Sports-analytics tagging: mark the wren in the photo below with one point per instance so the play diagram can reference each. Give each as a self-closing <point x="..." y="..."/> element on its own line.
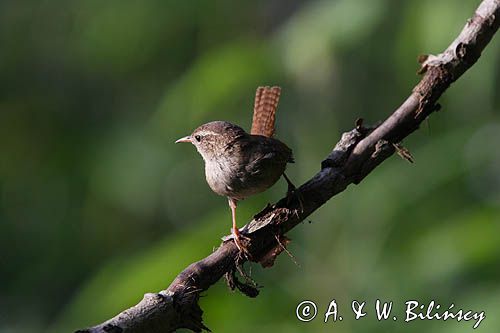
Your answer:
<point x="239" y="164"/>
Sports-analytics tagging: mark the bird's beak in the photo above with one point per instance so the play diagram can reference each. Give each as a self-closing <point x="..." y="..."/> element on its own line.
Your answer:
<point x="184" y="139"/>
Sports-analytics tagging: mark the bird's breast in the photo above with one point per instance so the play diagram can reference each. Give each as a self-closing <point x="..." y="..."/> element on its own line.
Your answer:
<point x="232" y="178"/>
<point x="220" y="177"/>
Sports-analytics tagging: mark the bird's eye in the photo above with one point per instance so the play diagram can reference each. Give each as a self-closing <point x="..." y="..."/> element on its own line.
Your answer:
<point x="198" y="138"/>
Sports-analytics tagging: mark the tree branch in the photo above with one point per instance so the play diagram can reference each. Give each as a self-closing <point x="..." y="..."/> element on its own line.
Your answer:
<point x="353" y="158"/>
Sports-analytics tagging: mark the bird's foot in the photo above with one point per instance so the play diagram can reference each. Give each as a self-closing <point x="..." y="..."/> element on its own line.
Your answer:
<point x="293" y="193"/>
<point x="241" y="242"/>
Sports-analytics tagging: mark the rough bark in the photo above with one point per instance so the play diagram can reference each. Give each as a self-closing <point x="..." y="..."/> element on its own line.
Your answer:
<point x="353" y="158"/>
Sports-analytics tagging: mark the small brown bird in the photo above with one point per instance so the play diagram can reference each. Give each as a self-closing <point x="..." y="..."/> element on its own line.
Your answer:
<point x="238" y="164"/>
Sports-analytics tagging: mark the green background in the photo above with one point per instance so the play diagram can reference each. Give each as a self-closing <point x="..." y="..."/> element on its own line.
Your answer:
<point x="98" y="206"/>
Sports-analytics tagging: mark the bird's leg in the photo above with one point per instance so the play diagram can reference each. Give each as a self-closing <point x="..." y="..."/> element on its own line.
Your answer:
<point x="238" y="237"/>
<point x="292" y="191"/>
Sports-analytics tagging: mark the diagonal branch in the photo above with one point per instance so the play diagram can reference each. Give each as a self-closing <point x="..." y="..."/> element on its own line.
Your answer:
<point x="353" y="158"/>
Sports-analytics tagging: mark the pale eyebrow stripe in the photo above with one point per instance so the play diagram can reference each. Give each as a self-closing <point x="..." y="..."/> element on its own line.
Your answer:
<point x="207" y="132"/>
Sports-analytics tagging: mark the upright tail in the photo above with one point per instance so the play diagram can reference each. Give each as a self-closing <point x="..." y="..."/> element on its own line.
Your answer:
<point x="264" y="110"/>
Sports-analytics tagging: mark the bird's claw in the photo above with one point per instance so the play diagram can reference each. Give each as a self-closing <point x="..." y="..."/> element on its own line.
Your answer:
<point x="241" y="241"/>
<point x="293" y="193"/>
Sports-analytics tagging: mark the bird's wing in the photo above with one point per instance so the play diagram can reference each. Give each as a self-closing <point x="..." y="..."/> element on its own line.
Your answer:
<point x="266" y="151"/>
<point x="264" y="110"/>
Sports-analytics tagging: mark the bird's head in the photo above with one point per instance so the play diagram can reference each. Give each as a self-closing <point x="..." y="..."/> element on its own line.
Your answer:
<point x="212" y="139"/>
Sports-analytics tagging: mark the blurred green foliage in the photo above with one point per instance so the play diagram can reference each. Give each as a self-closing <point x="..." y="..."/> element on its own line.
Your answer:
<point x="98" y="206"/>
